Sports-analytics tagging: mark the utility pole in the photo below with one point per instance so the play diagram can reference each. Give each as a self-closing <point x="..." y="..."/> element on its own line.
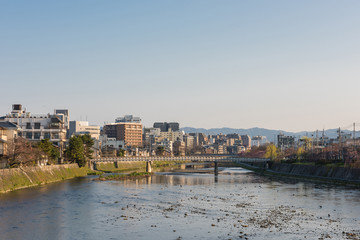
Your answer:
<point x="340" y="143"/>
<point x="354" y="136"/>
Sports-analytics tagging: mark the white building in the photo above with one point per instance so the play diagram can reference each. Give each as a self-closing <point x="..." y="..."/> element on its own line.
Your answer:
<point x="111" y="143"/>
<point x="38" y="127"/>
<point x="83" y="127"/>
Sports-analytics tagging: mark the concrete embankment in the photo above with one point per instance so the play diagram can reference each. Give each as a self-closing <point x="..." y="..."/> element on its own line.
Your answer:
<point x="17" y="178"/>
<point x="128" y="166"/>
<point x="326" y="173"/>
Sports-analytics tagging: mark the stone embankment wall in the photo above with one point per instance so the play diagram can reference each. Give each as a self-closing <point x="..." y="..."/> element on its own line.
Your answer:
<point x="322" y="172"/>
<point x="128" y="166"/>
<point x="17" y="178"/>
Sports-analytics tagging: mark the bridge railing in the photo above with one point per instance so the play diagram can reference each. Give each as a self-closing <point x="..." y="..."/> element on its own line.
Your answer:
<point x="188" y="158"/>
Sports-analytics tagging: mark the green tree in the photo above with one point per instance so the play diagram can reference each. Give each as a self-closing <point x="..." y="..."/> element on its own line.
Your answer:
<point x="160" y="150"/>
<point x="49" y="149"/>
<point x="121" y="153"/>
<point x="88" y="143"/>
<point x="76" y="151"/>
<point x="271" y="152"/>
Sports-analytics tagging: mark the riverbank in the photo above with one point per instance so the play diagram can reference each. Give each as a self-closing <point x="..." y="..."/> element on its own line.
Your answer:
<point x="137" y="166"/>
<point x="18" y="178"/>
<point x="331" y="174"/>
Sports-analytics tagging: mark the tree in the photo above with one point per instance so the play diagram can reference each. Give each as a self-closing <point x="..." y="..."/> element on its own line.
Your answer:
<point x="22" y="153"/>
<point x="121" y="153"/>
<point x="300" y="153"/>
<point x="160" y="150"/>
<point x="75" y="151"/>
<point x="88" y="143"/>
<point x="271" y="152"/>
<point x="79" y="149"/>
<point x="49" y="150"/>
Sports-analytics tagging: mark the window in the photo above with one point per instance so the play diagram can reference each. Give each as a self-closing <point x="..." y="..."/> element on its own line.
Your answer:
<point x="37" y="135"/>
<point x="29" y="135"/>
<point x="28" y="125"/>
<point x="47" y="135"/>
<point x="37" y="126"/>
<point x="55" y="136"/>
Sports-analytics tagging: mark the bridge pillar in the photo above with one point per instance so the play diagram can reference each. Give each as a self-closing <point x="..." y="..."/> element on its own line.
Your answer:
<point x="90" y="165"/>
<point x="216" y="168"/>
<point x="148" y="166"/>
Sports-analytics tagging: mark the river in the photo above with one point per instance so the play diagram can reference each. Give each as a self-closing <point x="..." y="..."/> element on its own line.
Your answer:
<point x="238" y="204"/>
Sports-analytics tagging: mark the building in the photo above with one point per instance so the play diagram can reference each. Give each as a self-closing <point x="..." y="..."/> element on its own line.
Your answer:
<point x="234" y="136"/>
<point x="164" y="126"/>
<point x="129" y="132"/>
<point x="171" y="136"/>
<point x="150" y="137"/>
<point x="246" y="141"/>
<point x="8" y="132"/>
<point x="64" y="116"/>
<point x="189" y="142"/>
<point x="38" y="127"/>
<point x="82" y="127"/>
<point x="128" y="118"/>
<point x="285" y="142"/>
<point x="179" y="148"/>
<point x="221" y="149"/>
<point x="258" y="141"/>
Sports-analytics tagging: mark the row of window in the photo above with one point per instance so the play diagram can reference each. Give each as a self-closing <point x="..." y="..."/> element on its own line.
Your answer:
<point x="37" y="136"/>
<point x="36" y="126"/>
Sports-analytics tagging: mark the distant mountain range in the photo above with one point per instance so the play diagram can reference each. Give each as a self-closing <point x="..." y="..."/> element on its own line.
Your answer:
<point x="268" y="133"/>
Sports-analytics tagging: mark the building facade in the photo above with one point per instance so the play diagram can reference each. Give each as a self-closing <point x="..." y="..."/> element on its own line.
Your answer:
<point x="82" y="127"/>
<point x="164" y="126"/>
<point x="38" y="127"/>
<point x="128" y="118"/>
<point x="8" y="132"/>
<point x="129" y="132"/>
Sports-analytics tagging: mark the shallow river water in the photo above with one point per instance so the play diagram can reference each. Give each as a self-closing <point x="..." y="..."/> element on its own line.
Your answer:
<point x="237" y="204"/>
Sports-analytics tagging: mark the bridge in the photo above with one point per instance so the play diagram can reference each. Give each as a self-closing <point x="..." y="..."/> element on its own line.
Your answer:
<point x="149" y="160"/>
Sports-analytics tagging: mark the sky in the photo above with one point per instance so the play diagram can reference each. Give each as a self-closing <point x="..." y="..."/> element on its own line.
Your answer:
<point x="289" y="65"/>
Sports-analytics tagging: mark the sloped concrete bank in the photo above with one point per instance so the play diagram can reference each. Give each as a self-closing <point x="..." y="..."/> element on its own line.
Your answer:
<point x="323" y="173"/>
<point x="17" y="178"/>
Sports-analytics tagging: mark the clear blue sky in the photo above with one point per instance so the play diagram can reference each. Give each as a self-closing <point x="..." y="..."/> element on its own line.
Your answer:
<point x="291" y="65"/>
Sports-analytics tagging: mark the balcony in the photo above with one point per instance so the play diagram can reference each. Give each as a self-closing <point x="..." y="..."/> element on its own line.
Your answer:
<point x="3" y="138"/>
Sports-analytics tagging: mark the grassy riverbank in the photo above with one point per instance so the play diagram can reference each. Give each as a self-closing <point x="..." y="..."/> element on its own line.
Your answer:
<point x="18" y="178"/>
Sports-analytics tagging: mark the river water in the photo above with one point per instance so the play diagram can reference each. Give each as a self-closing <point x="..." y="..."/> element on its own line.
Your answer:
<point x="238" y="204"/>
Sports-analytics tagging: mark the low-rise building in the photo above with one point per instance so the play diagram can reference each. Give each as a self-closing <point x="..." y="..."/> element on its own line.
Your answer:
<point x="83" y="127"/>
<point x="37" y="127"/>
<point x="179" y="148"/>
<point x="8" y="132"/>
